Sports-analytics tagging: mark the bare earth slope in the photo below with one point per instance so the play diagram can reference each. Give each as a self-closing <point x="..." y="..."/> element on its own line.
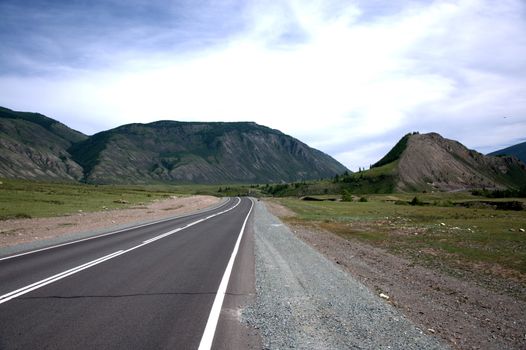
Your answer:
<point x="430" y="161"/>
<point x="33" y="146"/>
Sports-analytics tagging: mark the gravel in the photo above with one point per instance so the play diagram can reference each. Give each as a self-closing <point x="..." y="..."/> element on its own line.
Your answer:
<point x="306" y="301"/>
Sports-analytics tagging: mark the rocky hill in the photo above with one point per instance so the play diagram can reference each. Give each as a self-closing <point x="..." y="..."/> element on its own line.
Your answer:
<point x="518" y="150"/>
<point x="193" y="152"/>
<point x="431" y="162"/>
<point x="33" y="146"/>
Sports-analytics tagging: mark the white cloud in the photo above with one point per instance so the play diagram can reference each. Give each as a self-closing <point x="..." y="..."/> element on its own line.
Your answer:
<point x="319" y="72"/>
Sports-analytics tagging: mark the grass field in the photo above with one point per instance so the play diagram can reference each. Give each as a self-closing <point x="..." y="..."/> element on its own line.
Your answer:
<point x="26" y="199"/>
<point x="480" y="240"/>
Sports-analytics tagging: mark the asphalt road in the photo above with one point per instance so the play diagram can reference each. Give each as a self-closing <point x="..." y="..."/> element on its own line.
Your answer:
<point x="150" y="287"/>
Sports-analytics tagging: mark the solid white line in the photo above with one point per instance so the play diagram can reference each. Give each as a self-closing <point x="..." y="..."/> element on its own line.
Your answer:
<point x="213" y="319"/>
<point x="21" y="291"/>
<point x="107" y="234"/>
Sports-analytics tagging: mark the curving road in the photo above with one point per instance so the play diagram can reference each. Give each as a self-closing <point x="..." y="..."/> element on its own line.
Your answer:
<point x="154" y="286"/>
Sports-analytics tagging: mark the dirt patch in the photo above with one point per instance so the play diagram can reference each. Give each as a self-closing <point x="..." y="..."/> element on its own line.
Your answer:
<point x="461" y="312"/>
<point x="18" y="231"/>
<point x="279" y="210"/>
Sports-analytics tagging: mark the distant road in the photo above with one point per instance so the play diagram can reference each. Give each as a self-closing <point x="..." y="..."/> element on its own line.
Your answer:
<point x="148" y="287"/>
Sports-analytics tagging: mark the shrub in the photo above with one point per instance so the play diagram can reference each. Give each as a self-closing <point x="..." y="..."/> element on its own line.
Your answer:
<point x="416" y="201"/>
<point x="15" y="216"/>
<point x="346" y="196"/>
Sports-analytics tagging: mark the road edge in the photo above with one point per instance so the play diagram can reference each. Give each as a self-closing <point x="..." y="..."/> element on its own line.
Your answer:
<point x="70" y="238"/>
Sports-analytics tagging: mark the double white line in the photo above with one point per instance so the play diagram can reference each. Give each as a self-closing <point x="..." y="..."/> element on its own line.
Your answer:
<point x="21" y="291"/>
<point x="106" y="234"/>
<point x="16" y="293"/>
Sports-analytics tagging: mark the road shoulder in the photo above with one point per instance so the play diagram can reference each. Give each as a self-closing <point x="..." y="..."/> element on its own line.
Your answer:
<point x="232" y="332"/>
<point x="459" y="311"/>
<point x="303" y="300"/>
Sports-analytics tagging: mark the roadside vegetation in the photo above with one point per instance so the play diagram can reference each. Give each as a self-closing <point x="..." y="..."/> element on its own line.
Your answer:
<point x="457" y="233"/>
<point x="25" y="198"/>
<point x="31" y="199"/>
<point x="28" y="199"/>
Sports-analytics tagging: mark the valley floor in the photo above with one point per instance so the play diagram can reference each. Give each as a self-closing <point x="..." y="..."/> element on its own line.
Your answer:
<point x="458" y="310"/>
<point x="330" y="300"/>
<point x="14" y="232"/>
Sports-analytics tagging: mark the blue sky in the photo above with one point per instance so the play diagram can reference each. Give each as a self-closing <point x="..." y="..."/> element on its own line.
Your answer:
<point x="347" y="77"/>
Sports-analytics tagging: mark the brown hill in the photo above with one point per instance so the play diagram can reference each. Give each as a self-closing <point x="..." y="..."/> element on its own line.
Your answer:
<point x="430" y="162"/>
<point x="33" y="146"/>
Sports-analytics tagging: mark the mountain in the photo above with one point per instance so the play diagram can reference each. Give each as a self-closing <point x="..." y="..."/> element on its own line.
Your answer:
<point x="195" y="152"/>
<point x="518" y="150"/>
<point x="430" y="162"/>
<point x="430" y="159"/>
<point x="33" y="146"/>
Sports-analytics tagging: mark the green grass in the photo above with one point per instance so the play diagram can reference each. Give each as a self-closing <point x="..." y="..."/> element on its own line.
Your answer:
<point x="386" y="169"/>
<point x="380" y="179"/>
<point x="30" y="199"/>
<point x="26" y="199"/>
<point x="477" y="240"/>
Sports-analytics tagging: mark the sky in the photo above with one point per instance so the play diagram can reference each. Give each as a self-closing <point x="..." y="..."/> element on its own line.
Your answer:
<point x="347" y="77"/>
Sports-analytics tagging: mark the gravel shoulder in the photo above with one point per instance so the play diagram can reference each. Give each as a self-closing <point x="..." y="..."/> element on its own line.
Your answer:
<point x="460" y="312"/>
<point x="304" y="300"/>
<point x="26" y="234"/>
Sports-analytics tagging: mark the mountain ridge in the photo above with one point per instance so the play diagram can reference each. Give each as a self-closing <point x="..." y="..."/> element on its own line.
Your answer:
<point x="34" y="146"/>
<point x="161" y="151"/>
<point x="203" y="153"/>
<point x="517" y="150"/>
<point x="431" y="162"/>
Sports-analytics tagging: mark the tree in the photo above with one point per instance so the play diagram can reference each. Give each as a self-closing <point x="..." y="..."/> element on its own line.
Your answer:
<point x="346" y="196"/>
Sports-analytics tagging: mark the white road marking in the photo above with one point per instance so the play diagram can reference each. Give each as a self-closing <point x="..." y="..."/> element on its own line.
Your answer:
<point x="213" y="319"/>
<point x="105" y="234"/>
<point x="16" y="293"/>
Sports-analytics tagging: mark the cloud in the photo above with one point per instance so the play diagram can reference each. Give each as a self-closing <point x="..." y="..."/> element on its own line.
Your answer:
<point x="348" y="79"/>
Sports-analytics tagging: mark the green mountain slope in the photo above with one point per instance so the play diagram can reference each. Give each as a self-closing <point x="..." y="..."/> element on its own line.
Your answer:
<point x="168" y="151"/>
<point x="518" y="150"/>
<point x="394" y="154"/>
<point x="33" y="146"/>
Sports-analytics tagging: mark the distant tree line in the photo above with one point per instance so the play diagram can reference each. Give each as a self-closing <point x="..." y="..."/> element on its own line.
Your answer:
<point x="509" y="193"/>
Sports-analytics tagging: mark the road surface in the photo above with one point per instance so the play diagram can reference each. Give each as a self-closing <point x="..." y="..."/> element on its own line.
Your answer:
<point x="156" y="286"/>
